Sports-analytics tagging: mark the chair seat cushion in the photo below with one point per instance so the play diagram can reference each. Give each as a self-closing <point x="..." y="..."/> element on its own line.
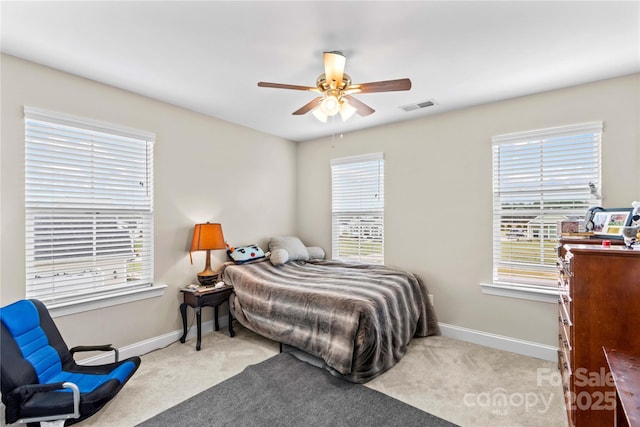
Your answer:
<point x="88" y="382"/>
<point x="41" y="404"/>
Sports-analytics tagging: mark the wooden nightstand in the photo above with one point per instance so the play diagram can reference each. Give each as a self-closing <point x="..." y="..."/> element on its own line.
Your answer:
<point x="210" y="298"/>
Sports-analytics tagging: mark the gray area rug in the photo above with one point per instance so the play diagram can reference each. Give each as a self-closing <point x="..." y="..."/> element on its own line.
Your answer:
<point x="283" y="391"/>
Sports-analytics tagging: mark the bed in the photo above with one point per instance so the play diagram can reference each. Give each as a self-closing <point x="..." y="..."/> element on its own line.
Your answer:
<point x="357" y="318"/>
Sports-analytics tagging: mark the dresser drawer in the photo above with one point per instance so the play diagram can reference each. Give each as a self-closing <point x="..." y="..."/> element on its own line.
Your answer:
<point x="568" y="264"/>
<point x="565" y="333"/>
<point x="564" y="275"/>
<point x="563" y="282"/>
<point x="567" y="381"/>
<point x="565" y="360"/>
<point x="565" y="306"/>
<point x="565" y="325"/>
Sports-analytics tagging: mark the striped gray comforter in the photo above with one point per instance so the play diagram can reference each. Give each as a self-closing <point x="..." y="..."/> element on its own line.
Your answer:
<point x="358" y="318"/>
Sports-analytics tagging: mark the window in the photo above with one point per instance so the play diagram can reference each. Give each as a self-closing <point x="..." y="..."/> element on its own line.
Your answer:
<point x="540" y="178"/>
<point x="89" y="208"/>
<point x="357" y="206"/>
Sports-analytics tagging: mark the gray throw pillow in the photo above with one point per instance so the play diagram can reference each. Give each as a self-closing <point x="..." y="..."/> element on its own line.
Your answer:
<point x="315" y="252"/>
<point x="279" y="257"/>
<point x="294" y="247"/>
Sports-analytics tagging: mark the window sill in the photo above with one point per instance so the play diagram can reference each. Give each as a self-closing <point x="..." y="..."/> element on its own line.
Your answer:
<point x="65" y="309"/>
<point x="528" y="292"/>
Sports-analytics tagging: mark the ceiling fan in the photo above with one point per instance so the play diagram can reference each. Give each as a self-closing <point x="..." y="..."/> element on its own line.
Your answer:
<point x="335" y="88"/>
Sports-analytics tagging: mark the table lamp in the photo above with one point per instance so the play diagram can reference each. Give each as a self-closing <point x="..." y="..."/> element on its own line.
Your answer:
<point x="207" y="237"/>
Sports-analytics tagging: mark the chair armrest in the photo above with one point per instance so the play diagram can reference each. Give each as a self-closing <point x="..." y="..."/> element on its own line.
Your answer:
<point x="106" y="347"/>
<point x="24" y="392"/>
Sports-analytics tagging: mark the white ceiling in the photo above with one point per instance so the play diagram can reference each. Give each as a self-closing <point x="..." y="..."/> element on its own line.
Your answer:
<point x="207" y="56"/>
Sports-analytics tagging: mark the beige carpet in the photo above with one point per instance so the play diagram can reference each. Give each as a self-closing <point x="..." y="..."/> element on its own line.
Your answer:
<point x="464" y="383"/>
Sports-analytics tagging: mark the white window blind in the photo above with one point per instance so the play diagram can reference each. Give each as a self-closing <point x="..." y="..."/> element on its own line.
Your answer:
<point x="540" y="178"/>
<point x="357" y="205"/>
<point x="89" y="208"/>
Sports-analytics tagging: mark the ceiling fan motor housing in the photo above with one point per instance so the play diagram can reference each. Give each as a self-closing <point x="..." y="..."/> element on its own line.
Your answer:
<point x="323" y="85"/>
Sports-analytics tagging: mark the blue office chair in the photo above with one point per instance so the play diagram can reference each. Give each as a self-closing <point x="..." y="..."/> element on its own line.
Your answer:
<point x="40" y="380"/>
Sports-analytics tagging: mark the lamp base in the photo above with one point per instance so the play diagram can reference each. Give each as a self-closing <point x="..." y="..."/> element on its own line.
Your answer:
<point x="208" y="280"/>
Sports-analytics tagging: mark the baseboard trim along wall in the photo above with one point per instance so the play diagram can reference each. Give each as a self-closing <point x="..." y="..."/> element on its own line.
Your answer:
<point x="156" y="343"/>
<point x="500" y="342"/>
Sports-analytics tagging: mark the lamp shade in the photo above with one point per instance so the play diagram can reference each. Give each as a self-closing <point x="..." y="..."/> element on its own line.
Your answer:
<point x="207" y="237"/>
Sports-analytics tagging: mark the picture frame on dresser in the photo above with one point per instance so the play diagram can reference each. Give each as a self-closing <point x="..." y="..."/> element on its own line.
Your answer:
<point x="608" y="223"/>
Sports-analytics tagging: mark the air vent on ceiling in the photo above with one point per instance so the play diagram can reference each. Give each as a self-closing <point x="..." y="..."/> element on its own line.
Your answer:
<point x="419" y="105"/>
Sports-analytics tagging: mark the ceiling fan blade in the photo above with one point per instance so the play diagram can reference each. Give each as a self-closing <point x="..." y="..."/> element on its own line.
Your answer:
<point x="361" y="108"/>
<point x="286" y="86"/>
<point x="334" y="63"/>
<point x="383" y="86"/>
<point x="308" y="107"/>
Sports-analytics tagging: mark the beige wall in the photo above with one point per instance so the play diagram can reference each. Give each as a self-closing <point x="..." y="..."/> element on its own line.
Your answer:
<point x="438" y="174"/>
<point x="205" y="170"/>
<point x="438" y="193"/>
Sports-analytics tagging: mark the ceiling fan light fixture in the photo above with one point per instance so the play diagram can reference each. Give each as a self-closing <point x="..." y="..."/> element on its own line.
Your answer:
<point x="317" y="112"/>
<point x="346" y="110"/>
<point x="330" y="105"/>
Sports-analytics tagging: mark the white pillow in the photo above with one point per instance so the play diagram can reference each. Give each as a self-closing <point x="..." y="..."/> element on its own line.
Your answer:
<point x="315" y="252"/>
<point x="279" y="257"/>
<point x="294" y="247"/>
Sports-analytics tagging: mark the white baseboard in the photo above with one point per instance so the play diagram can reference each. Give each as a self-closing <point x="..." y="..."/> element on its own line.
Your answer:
<point x="500" y="342"/>
<point x="155" y="343"/>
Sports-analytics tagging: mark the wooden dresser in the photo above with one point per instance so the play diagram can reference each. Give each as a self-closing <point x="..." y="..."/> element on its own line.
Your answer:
<point x="599" y="306"/>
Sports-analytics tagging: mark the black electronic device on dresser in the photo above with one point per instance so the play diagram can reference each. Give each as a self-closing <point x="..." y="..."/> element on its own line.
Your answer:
<point x="598" y="304"/>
